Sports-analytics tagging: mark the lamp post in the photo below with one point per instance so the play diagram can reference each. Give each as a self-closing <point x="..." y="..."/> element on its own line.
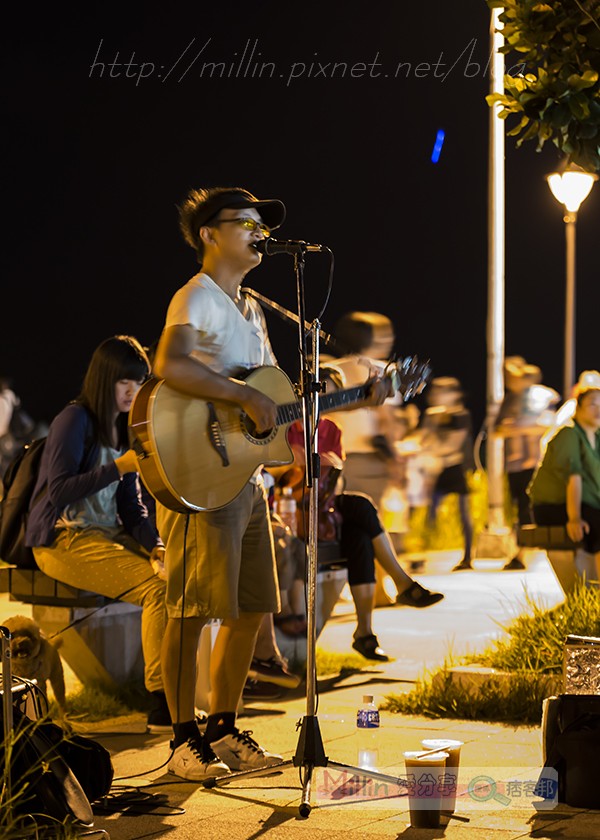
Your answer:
<point x="491" y="543"/>
<point x="570" y="186"/>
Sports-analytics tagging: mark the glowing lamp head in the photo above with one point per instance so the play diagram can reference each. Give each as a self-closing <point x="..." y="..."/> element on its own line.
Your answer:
<point x="571" y="187"/>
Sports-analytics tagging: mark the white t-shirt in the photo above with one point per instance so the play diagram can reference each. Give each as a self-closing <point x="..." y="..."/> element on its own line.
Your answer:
<point x="228" y="340"/>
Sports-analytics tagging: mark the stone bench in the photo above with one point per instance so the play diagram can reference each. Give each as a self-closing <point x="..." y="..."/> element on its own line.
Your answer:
<point x="100" y="638"/>
<point x="568" y="560"/>
<point x="554" y="537"/>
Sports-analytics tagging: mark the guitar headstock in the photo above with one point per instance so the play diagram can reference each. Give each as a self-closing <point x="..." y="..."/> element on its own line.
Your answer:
<point x="409" y="376"/>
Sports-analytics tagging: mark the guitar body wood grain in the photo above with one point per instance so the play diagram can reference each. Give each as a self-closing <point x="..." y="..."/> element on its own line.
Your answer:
<point x="180" y="465"/>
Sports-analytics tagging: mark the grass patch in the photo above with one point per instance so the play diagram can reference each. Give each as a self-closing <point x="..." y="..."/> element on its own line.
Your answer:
<point x="535" y="642"/>
<point x="90" y="704"/>
<point x="531" y="651"/>
<point x="443" y="697"/>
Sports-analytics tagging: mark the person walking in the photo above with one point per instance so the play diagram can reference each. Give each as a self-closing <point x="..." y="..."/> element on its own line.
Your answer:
<point x="447" y="431"/>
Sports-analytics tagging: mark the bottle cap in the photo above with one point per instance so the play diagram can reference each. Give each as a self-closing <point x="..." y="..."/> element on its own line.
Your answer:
<point x="367" y="698"/>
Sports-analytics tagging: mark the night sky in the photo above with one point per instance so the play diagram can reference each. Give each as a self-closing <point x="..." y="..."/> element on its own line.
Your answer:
<point x="111" y="116"/>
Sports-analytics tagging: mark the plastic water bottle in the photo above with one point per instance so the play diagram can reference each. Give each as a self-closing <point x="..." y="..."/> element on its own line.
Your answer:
<point x="286" y="508"/>
<point x="367" y="729"/>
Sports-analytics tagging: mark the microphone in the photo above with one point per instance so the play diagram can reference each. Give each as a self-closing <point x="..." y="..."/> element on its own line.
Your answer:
<point x="269" y="247"/>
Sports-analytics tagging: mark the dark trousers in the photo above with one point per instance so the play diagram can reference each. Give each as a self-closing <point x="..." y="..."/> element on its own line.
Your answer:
<point x="360" y="526"/>
<point x="518" y="483"/>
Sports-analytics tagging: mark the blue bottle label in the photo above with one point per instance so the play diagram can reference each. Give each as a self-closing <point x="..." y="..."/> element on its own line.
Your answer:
<point x="367" y="719"/>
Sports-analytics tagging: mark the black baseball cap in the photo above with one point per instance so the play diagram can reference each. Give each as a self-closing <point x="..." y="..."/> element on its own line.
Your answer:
<point x="272" y="211"/>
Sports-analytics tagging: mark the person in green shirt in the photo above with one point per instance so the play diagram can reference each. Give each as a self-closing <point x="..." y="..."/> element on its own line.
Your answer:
<point x="565" y="489"/>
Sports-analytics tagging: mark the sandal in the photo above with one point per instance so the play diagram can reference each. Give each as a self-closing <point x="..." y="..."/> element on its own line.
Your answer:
<point x="417" y="596"/>
<point x="368" y="646"/>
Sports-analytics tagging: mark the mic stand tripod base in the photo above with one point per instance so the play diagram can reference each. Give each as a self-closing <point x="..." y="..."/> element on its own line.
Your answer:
<point x="309" y="754"/>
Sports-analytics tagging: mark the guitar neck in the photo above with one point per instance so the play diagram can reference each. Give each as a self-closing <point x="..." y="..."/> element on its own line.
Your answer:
<point x="289" y="412"/>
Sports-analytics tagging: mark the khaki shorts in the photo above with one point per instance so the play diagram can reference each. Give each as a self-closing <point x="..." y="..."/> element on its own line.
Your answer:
<point x="225" y="563"/>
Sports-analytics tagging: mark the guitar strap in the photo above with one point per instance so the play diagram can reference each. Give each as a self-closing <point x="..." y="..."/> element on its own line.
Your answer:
<point x="286" y="314"/>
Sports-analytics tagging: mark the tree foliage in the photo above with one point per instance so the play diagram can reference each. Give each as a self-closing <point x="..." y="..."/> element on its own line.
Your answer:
<point x="556" y="97"/>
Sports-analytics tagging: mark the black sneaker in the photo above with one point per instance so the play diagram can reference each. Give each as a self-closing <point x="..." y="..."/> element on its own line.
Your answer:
<point x="273" y="671"/>
<point x="257" y="690"/>
<point x="417" y="596"/>
<point x="159" y="717"/>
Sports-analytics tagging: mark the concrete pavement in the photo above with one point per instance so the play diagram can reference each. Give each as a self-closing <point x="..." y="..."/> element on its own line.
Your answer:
<point x="499" y="763"/>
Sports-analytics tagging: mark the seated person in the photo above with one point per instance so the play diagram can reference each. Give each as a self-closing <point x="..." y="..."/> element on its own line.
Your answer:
<point x="87" y="524"/>
<point x="565" y="489"/>
<point x="359" y="531"/>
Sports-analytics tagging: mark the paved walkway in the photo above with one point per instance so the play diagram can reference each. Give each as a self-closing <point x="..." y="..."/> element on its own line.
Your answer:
<point x="499" y="762"/>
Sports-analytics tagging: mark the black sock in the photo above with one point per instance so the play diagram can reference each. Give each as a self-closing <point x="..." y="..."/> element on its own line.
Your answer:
<point x="186" y="731"/>
<point x="219" y="725"/>
<point x="159" y="700"/>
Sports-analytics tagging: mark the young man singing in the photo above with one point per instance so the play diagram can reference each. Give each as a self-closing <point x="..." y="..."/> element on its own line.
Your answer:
<point x="220" y="562"/>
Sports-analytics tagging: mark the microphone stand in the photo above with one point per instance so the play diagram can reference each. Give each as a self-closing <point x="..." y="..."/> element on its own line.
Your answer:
<point x="310" y="752"/>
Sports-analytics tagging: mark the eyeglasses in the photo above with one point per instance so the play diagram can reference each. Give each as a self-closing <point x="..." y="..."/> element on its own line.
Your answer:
<point x="248" y="224"/>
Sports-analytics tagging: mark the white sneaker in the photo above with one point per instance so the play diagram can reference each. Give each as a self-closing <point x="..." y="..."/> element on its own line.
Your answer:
<point x="241" y="752"/>
<point x="188" y="762"/>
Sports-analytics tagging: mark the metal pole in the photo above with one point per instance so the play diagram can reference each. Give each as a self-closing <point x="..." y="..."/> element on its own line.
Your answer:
<point x="570" y="220"/>
<point x="496" y="266"/>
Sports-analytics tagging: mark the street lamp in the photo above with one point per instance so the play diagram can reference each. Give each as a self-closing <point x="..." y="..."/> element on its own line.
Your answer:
<point x="571" y="185"/>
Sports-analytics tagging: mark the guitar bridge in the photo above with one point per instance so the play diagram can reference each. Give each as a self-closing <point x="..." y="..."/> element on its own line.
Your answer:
<point x="215" y="435"/>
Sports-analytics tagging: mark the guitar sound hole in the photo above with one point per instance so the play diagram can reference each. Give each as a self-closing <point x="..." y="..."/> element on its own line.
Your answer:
<point x="250" y="429"/>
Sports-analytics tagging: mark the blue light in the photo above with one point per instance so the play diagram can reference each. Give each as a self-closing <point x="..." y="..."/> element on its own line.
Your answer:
<point x="437" y="146"/>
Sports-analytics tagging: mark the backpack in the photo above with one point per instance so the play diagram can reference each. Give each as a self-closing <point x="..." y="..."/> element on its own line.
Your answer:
<point x="89" y="760"/>
<point x="43" y="784"/>
<point x="18" y="481"/>
<point x="571" y="741"/>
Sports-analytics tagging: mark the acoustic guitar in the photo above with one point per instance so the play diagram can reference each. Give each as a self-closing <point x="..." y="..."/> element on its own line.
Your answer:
<point x="197" y="455"/>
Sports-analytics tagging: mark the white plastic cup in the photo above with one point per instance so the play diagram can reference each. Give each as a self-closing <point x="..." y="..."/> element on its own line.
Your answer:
<point x="452" y="747"/>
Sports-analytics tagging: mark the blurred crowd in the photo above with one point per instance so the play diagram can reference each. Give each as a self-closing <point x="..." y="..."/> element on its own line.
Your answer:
<point x="17" y="427"/>
<point x="410" y="456"/>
